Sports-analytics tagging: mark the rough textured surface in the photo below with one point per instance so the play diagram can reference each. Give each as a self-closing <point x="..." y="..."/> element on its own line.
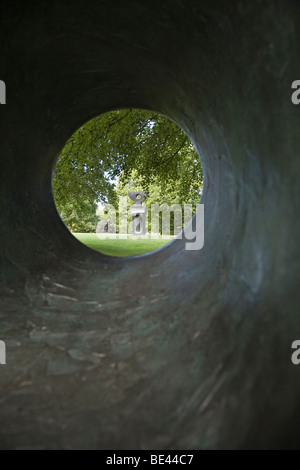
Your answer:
<point x="200" y="356"/>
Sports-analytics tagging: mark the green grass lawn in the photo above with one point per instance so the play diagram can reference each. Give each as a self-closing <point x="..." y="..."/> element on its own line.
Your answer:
<point x="110" y="245"/>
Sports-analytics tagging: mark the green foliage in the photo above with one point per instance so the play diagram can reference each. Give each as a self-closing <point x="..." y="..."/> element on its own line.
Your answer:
<point x="115" y="145"/>
<point x="80" y="217"/>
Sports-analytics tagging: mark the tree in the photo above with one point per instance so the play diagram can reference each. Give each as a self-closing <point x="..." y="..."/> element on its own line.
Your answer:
<point x="110" y="147"/>
<point x="80" y="218"/>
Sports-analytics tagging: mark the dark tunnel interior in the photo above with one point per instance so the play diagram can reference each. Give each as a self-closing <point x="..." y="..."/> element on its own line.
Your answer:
<point x="177" y="349"/>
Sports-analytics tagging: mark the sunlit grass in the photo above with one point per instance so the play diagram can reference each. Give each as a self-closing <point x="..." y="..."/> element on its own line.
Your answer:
<point x="113" y="245"/>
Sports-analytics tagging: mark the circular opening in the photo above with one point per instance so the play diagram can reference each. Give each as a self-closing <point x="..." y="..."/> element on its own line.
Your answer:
<point x="127" y="182"/>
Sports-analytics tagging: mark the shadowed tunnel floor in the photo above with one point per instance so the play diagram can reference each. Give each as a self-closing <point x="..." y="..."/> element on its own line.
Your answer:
<point x="178" y="349"/>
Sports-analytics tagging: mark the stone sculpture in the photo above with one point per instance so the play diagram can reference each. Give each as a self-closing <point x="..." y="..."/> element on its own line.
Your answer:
<point x="138" y="212"/>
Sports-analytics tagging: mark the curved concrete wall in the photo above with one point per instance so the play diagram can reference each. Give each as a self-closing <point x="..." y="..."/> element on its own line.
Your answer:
<point x="177" y="349"/>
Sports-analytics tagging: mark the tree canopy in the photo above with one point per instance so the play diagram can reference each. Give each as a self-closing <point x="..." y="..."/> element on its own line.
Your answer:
<point x="123" y="148"/>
